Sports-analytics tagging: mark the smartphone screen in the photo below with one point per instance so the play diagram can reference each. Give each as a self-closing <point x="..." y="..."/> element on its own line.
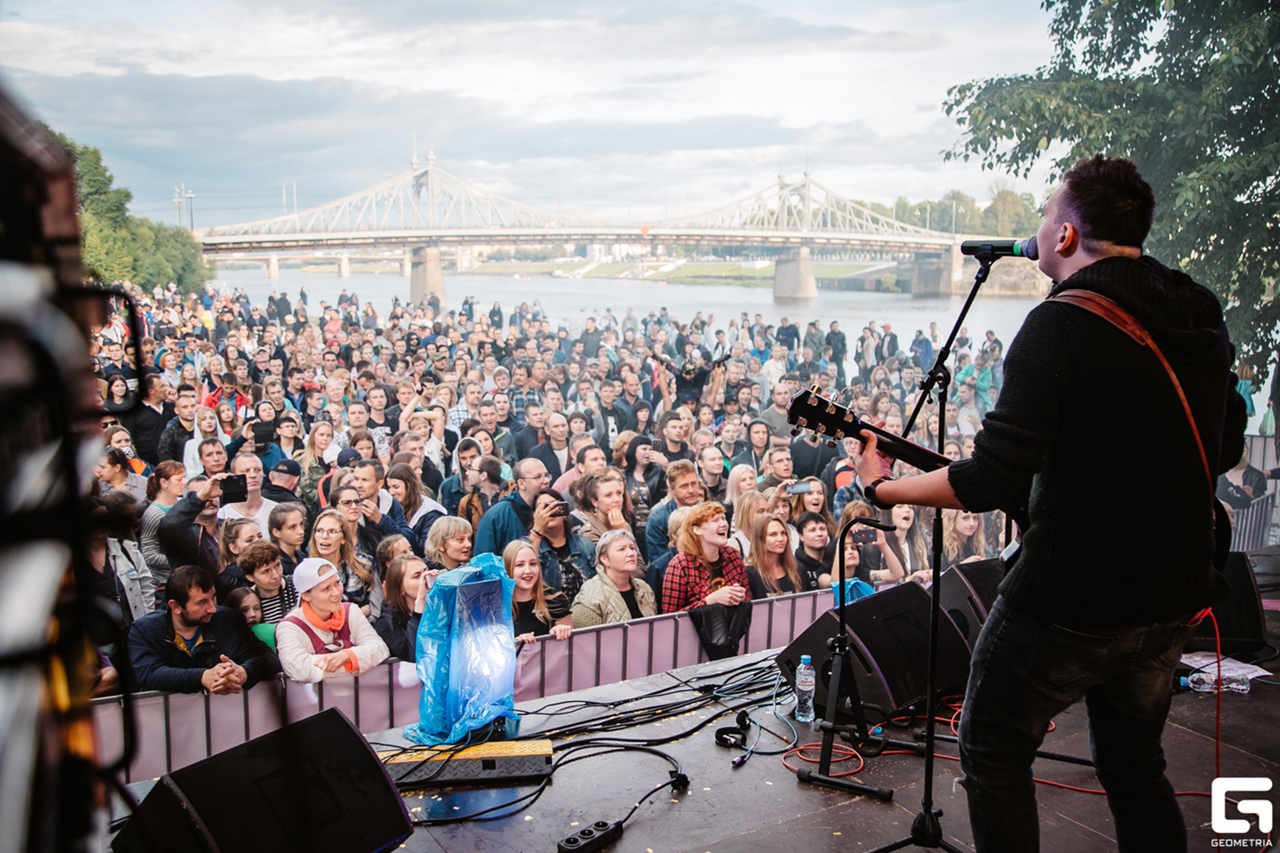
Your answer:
<point x="799" y="488"/>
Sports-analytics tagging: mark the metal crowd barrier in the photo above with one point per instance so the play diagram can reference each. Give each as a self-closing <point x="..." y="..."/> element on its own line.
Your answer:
<point x="178" y="729"/>
<point x="1252" y="525"/>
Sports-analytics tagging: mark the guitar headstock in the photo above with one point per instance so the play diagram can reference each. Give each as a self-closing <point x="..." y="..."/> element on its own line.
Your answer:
<point x="810" y="410"/>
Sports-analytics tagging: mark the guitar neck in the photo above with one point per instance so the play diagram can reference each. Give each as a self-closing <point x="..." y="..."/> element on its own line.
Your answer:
<point x="809" y="410"/>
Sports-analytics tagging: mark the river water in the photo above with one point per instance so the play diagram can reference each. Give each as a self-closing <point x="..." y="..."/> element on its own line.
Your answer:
<point x="563" y="298"/>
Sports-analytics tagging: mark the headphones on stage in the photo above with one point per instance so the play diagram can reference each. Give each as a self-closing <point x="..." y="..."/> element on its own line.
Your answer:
<point x="735" y="737"/>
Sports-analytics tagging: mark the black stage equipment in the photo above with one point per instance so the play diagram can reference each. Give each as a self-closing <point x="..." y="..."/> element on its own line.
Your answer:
<point x="313" y="785"/>
<point x="969" y="591"/>
<point x="887" y="635"/>
<point x="1242" y="625"/>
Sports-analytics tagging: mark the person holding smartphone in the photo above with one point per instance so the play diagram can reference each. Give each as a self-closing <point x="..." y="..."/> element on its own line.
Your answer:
<point x="567" y="558"/>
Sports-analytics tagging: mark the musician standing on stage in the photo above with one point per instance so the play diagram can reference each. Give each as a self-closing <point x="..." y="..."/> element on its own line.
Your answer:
<point x="1100" y="599"/>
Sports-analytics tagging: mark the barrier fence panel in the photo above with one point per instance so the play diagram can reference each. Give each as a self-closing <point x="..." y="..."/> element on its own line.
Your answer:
<point x="1253" y="524"/>
<point x="1262" y="451"/>
<point x="179" y="729"/>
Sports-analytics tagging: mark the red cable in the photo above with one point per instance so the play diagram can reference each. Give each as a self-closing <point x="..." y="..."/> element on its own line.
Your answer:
<point x="1217" y="730"/>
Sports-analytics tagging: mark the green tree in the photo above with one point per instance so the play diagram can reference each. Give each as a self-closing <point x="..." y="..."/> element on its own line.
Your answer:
<point x="1010" y="214"/>
<point x="1189" y="92"/>
<point x="115" y="246"/>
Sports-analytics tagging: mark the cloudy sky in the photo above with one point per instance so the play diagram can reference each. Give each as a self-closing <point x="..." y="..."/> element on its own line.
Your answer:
<point x="613" y="109"/>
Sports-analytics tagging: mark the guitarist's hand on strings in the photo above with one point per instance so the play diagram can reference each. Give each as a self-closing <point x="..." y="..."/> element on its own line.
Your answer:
<point x="873" y="464"/>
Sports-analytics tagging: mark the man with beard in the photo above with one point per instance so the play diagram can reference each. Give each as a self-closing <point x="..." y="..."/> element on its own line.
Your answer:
<point x="193" y="644"/>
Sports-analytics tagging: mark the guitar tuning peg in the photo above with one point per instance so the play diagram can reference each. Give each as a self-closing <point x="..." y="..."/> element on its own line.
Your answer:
<point x="795" y="431"/>
<point x="831" y="444"/>
<point x="831" y="408"/>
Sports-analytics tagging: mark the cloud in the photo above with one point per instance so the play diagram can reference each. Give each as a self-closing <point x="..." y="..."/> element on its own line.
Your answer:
<point x="599" y="110"/>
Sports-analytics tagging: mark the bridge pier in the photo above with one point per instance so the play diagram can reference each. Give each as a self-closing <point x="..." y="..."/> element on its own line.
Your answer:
<point x="344" y="266"/>
<point x="273" y="266"/>
<point x="406" y="266"/>
<point x="930" y="274"/>
<point x="793" y="275"/>
<point x="427" y="275"/>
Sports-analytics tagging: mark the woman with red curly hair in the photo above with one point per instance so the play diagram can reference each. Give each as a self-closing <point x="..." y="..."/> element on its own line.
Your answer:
<point x="704" y="571"/>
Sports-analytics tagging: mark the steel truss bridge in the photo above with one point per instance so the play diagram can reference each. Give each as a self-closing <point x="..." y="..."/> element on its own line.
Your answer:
<point x="426" y="208"/>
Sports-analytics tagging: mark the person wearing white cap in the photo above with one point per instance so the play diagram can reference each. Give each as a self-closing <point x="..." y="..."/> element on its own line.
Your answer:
<point x="325" y="637"/>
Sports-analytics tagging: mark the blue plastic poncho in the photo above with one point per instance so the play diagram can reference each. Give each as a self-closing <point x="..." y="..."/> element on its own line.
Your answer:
<point x="466" y="653"/>
<point x="853" y="590"/>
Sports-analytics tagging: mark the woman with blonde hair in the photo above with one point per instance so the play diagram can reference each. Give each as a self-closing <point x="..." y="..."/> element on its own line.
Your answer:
<point x="963" y="541"/>
<point x="312" y="462"/>
<point x="333" y="539"/>
<point x="742" y="479"/>
<point x="748" y="506"/>
<point x="206" y="426"/>
<point x="448" y="543"/>
<point x="615" y="594"/>
<point x="771" y="565"/>
<point x="535" y="610"/>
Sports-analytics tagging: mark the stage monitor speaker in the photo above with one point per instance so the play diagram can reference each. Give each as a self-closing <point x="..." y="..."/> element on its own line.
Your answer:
<point x="889" y="644"/>
<point x="313" y="785"/>
<point x="1241" y="621"/>
<point x="969" y="591"/>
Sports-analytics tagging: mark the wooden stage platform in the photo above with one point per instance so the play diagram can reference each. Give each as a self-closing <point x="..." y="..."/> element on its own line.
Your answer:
<point x="761" y="806"/>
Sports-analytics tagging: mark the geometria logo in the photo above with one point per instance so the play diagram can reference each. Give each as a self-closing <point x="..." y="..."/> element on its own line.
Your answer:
<point x="1261" y="809"/>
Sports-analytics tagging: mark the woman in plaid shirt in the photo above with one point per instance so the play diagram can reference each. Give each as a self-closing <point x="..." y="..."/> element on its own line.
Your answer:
<point x="706" y="570"/>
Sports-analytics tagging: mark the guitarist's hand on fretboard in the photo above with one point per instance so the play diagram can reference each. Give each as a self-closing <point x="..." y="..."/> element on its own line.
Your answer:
<point x="872" y="464"/>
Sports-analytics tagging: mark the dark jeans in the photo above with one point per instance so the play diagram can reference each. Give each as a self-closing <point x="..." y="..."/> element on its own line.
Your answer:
<point x="1024" y="673"/>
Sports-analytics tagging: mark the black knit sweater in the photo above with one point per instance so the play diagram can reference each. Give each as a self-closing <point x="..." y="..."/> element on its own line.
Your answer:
<point x="1120" y="531"/>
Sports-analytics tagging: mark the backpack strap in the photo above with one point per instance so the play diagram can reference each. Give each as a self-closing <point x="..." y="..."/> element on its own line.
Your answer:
<point x="1110" y="310"/>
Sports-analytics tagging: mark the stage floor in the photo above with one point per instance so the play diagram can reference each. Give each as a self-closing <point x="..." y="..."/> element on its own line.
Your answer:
<point x="761" y="806"/>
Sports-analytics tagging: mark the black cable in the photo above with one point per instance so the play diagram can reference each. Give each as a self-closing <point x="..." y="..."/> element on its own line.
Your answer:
<point x="567" y="757"/>
<point x="741" y="681"/>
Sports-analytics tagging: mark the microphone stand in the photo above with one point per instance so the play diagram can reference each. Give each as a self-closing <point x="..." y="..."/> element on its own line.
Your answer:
<point x="926" y="830"/>
<point x="842" y="683"/>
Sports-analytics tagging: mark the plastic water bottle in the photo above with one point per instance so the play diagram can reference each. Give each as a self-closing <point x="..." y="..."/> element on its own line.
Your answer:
<point x="1201" y="682"/>
<point x="806" y="678"/>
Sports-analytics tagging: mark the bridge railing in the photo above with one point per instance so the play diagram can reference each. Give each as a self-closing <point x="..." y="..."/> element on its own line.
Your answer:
<point x="178" y="729"/>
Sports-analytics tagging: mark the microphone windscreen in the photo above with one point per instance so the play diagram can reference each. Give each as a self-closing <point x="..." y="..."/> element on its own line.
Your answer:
<point x="1031" y="249"/>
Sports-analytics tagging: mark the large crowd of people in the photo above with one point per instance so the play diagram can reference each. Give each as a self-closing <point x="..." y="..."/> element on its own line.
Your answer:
<point x="296" y="476"/>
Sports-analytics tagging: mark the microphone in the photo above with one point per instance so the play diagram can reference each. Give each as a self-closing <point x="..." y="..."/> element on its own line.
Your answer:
<point x="1002" y="248"/>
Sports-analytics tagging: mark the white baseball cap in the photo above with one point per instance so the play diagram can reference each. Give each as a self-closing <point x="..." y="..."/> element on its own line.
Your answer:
<point x="310" y="572"/>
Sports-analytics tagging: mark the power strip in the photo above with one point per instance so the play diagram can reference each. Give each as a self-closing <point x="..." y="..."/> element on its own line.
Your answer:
<point x="596" y="837"/>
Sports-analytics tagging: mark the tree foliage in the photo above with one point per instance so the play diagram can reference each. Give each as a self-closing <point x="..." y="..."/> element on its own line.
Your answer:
<point x="1007" y="215"/>
<point x="1187" y="90"/>
<point x="115" y="246"/>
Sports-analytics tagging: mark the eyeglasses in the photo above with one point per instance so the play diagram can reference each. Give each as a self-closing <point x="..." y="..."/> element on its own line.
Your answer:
<point x="348" y="503"/>
<point x="325" y="534"/>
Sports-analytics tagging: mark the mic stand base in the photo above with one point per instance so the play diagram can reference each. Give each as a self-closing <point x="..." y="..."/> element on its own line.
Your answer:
<point x="926" y="832"/>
